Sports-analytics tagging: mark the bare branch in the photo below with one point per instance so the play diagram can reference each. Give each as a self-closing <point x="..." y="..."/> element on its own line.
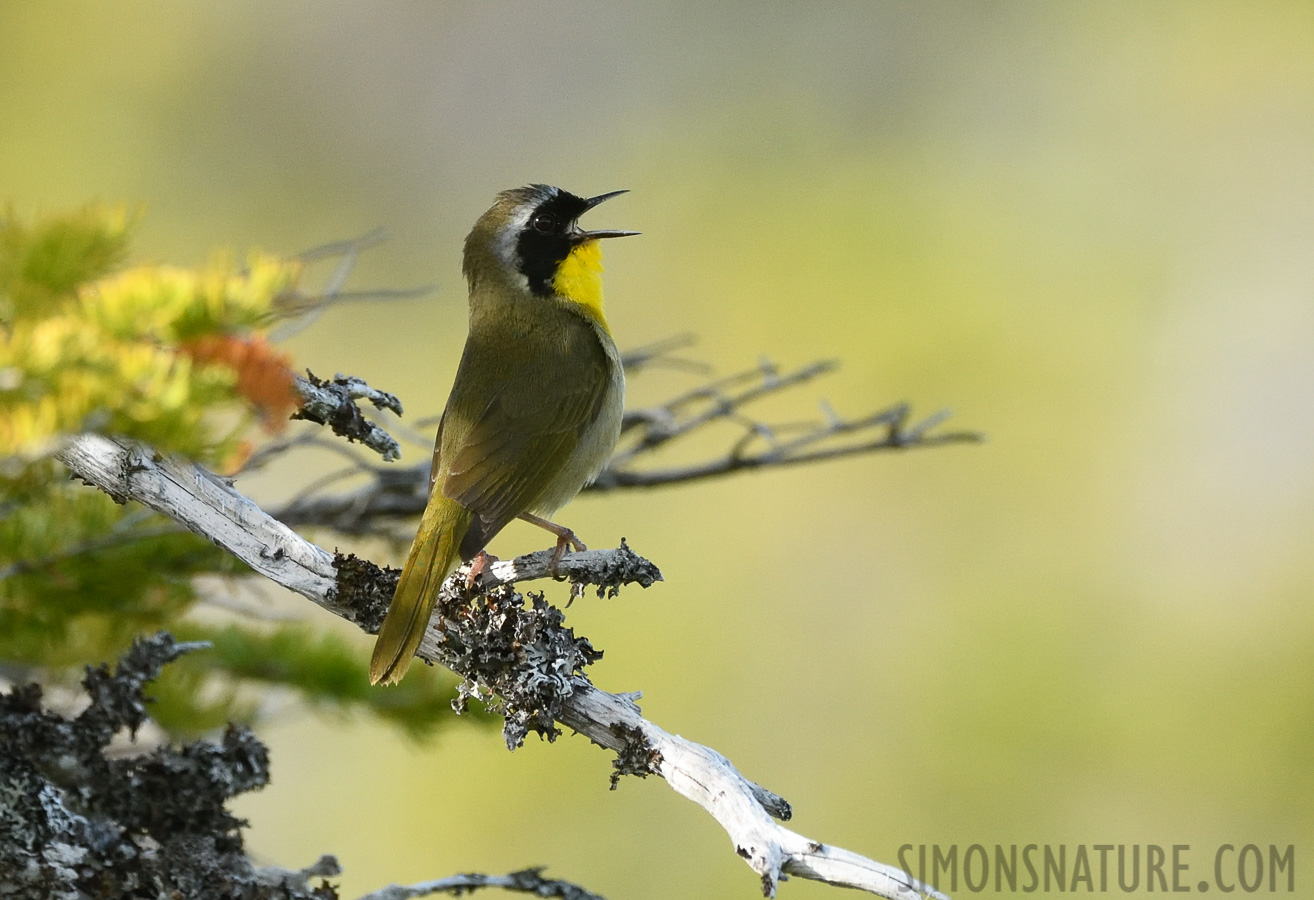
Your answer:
<point x="807" y="448"/>
<point x="125" y="532"/>
<point x="661" y="353"/>
<point x="664" y="424"/>
<point x="601" y="568"/>
<point x="346" y="248"/>
<point x="394" y="493"/>
<point x="359" y="591"/>
<point x="527" y="881"/>
<point x="398" y="493"/>
<point x="300" y="310"/>
<point x="308" y="438"/>
<point x="333" y="403"/>
<point x="205" y="504"/>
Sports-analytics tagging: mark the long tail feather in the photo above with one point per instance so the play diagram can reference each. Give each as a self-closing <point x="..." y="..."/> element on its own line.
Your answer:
<point x="432" y="558"/>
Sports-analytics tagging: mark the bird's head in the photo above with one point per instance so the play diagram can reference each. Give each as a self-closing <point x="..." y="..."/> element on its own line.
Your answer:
<point x="531" y="237"/>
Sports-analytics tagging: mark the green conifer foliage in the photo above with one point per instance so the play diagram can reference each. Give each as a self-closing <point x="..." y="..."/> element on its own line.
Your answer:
<point x="176" y="358"/>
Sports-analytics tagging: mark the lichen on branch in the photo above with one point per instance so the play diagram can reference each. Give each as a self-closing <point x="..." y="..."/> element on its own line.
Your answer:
<point x="81" y="823"/>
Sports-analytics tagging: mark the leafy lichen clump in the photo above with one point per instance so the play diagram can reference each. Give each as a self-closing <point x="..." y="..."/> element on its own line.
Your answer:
<point x="75" y="822"/>
<point x="520" y="660"/>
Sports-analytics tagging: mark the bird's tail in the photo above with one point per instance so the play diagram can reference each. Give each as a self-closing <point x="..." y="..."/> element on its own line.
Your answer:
<point x="434" y="555"/>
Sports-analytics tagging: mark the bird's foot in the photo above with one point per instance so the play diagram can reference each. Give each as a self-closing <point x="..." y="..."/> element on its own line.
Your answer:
<point x="478" y="566"/>
<point x="565" y="538"/>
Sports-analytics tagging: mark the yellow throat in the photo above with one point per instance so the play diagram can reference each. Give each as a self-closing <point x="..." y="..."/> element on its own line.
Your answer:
<point x="579" y="279"/>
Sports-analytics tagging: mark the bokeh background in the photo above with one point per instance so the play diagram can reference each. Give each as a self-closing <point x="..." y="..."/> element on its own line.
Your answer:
<point x="1088" y="228"/>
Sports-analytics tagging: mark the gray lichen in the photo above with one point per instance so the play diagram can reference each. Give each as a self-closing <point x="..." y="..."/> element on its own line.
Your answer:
<point x="626" y="567"/>
<point x="637" y="757"/>
<point x="513" y="651"/>
<point x="76" y="824"/>
<point x="520" y="660"/>
<point x="333" y="403"/>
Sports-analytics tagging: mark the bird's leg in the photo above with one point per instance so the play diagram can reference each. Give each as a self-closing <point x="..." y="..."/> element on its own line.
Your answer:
<point x="564" y="536"/>
<point x="483" y="559"/>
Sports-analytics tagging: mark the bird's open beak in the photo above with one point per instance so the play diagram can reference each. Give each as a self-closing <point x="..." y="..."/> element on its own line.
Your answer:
<point x="596" y="235"/>
<point x="594" y="201"/>
<point x="582" y="236"/>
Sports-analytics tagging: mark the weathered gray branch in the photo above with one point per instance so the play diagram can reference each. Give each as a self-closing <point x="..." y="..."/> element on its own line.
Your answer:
<point x="333" y="403"/>
<point x="394" y="493"/>
<point x="211" y="507"/>
<point x="892" y="425"/>
<point x="526" y="881"/>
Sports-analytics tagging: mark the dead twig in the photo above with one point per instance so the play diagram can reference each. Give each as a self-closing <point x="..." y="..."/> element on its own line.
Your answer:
<point x="402" y="493"/>
<point x="333" y="403"/>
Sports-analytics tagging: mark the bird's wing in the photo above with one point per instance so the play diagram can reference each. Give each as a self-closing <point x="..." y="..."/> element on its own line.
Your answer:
<point x="497" y="452"/>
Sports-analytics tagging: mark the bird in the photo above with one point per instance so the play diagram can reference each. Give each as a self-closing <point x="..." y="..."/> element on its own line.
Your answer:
<point x="535" y="409"/>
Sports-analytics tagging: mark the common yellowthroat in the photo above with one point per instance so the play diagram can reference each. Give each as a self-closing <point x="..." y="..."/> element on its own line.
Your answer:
<point x="535" y="410"/>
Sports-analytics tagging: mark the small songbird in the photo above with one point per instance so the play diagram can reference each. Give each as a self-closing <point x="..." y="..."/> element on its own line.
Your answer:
<point x="535" y="410"/>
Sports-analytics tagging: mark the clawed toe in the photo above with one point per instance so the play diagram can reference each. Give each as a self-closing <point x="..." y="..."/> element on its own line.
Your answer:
<point x="565" y="539"/>
<point x="478" y="566"/>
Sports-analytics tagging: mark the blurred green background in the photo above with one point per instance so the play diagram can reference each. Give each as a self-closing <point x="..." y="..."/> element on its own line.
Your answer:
<point x="1085" y="227"/>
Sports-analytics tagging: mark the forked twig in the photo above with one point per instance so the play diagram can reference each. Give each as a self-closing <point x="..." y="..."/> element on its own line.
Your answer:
<point x="298" y="311"/>
<point x="393" y="493"/>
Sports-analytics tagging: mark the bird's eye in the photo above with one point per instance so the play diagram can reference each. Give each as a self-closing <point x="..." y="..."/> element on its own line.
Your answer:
<point x="544" y="223"/>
